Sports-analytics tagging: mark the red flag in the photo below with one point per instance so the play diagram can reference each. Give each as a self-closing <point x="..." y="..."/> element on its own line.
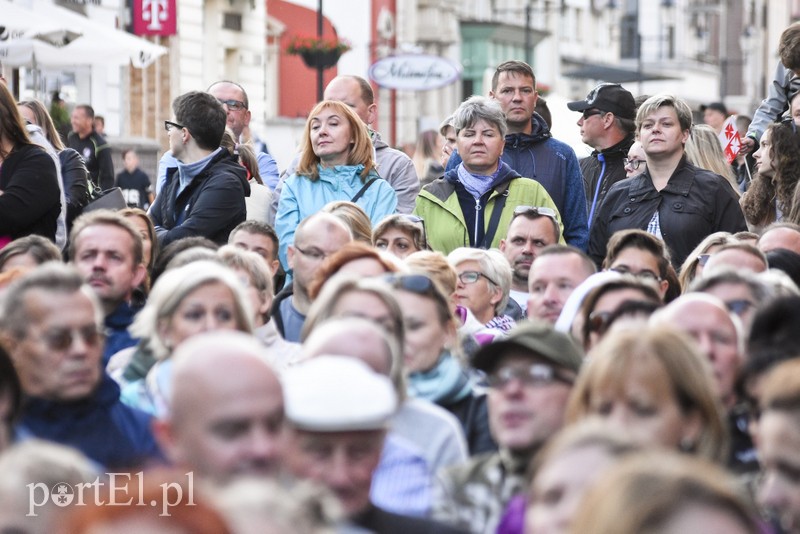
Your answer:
<point x="730" y="139"/>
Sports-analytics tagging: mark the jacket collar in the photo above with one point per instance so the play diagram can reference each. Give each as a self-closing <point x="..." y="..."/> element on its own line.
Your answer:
<point x="620" y="149"/>
<point x="106" y="394"/>
<point x="679" y="183"/>
<point x="539" y="132"/>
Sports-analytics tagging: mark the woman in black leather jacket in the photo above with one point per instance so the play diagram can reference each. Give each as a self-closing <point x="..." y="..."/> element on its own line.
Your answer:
<point x="673" y="200"/>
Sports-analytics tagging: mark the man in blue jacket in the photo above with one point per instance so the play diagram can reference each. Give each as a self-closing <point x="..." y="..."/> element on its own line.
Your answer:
<point x="51" y="327"/>
<point x="531" y="150"/>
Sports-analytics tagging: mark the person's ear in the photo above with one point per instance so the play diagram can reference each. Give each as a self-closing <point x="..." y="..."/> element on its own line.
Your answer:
<point x="139" y="274"/>
<point x="290" y="252"/>
<point x="372" y="113"/>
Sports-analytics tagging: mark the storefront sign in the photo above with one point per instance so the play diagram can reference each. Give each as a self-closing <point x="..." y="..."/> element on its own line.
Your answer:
<point x="155" y="17"/>
<point x="414" y="72"/>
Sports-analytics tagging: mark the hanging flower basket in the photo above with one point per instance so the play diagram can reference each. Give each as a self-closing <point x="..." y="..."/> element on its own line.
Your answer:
<point x="317" y="53"/>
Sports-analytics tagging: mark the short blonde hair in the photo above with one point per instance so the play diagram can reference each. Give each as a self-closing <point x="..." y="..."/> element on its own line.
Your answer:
<point x="175" y="285"/>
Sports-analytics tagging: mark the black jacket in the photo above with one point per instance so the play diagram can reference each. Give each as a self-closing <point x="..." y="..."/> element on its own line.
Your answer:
<point x="591" y="168"/>
<point x="473" y="414"/>
<point x="76" y="182"/>
<point x="31" y="199"/>
<point x="96" y="152"/>
<point x="211" y="205"/>
<point x="694" y="204"/>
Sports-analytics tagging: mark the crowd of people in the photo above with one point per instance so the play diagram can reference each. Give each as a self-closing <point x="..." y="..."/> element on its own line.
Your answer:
<point x="490" y="337"/>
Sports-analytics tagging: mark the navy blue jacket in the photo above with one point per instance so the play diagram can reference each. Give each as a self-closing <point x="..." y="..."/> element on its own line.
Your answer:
<point x="100" y="426"/>
<point x="554" y="165"/>
<point x="117" y="335"/>
<point x="211" y="205"/>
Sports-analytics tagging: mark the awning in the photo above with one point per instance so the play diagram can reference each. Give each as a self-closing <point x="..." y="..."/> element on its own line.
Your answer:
<point x="611" y="73"/>
<point x="52" y="36"/>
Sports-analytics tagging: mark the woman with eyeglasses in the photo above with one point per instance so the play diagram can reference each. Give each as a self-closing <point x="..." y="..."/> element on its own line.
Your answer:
<point x="433" y="361"/>
<point x="400" y="235"/>
<point x="636" y="162"/>
<point x="484" y="283"/>
<point x="472" y="204"/>
<point x="653" y="384"/>
<point x="337" y="162"/>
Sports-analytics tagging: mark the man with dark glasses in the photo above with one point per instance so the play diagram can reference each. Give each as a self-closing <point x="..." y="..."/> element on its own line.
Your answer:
<point x="607" y="125"/>
<point x="70" y="399"/>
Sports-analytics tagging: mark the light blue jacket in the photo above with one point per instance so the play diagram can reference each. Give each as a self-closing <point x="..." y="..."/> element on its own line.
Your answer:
<point x="301" y="197"/>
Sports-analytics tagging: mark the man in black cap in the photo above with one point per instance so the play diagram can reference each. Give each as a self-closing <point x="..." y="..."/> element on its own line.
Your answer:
<point x="714" y="115"/>
<point x="530" y="375"/>
<point x="607" y="125"/>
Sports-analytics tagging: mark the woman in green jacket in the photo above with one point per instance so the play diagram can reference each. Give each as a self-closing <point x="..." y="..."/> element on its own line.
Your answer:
<point x="473" y="204"/>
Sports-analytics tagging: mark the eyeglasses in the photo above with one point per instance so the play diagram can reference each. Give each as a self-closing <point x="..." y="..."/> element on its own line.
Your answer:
<point x="470" y="277"/>
<point x="789" y="121"/>
<point x="169" y="125"/>
<point x="535" y="375"/>
<point x="536" y="211"/>
<point x="632" y="164"/>
<point x="235" y="105"/>
<point x="592" y="112"/>
<point x="418" y="284"/>
<point x="62" y="339"/>
<point x="420" y="221"/>
<point x="738" y="306"/>
<point x="313" y="253"/>
<point x="645" y="274"/>
<point x="702" y="259"/>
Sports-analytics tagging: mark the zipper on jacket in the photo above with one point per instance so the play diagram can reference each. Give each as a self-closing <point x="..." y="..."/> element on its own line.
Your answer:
<point x="477" y="212"/>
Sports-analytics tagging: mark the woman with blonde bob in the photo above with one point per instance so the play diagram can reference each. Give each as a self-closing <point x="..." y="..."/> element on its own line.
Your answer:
<point x="336" y="163"/>
<point x="654" y="384"/>
<point x="664" y="493"/>
<point x="202" y="296"/>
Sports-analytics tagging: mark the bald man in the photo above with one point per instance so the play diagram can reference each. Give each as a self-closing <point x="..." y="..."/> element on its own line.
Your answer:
<point x="226" y="416"/>
<point x="316" y="238"/>
<point x="719" y="334"/>
<point x="780" y="235"/>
